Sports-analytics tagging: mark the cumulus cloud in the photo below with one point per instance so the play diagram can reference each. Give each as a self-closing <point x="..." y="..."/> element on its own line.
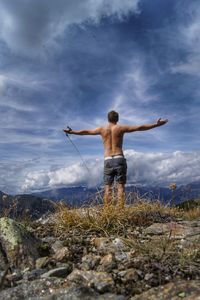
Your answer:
<point x="73" y="175"/>
<point x="12" y="174"/>
<point x="26" y="25"/>
<point x="143" y="168"/>
<point x="163" y="168"/>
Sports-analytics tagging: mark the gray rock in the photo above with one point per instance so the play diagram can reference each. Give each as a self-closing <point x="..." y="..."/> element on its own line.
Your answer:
<point x="177" y="230"/>
<point x="62" y="254"/>
<point x="57" y="245"/>
<point x="79" y="293"/>
<point x="100" y="281"/>
<point x="106" y="246"/>
<point x="90" y="261"/>
<point x="36" y="288"/>
<point x="174" y="290"/>
<point x="128" y="275"/>
<point x="58" y="272"/>
<point x="107" y="263"/>
<point x="21" y="248"/>
<point x="16" y="275"/>
<point x="148" y="276"/>
<point x="121" y="256"/>
<point x="157" y="229"/>
<point x="42" y="262"/>
<point x="34" y="274"/>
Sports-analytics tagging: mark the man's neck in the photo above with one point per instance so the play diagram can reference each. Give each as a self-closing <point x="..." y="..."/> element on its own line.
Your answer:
<point x="112" y="123"/>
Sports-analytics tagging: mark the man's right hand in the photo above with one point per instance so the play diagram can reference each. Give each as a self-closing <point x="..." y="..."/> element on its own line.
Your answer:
<point x="161" y="122"/>
<point x="67" y="130"/>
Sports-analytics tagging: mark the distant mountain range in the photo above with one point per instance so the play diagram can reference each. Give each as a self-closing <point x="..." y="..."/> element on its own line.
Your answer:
<point x="80" y="195"/>
<point x="37" y="204"/>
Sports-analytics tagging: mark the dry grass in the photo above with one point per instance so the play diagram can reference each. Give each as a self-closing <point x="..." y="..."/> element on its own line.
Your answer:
<point x="162" y="252"/>
<point x="191" y="214"/>
<point x="113" y="218"/>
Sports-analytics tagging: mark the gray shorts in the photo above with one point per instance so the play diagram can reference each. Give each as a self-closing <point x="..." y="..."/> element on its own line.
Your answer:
<point x="115" y="168"/>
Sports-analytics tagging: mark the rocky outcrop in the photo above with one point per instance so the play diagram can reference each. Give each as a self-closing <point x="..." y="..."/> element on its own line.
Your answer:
<point x="174" y="290"/>
<point x="24" y="206"/>
<point x="18" y="247"/>
<point x="161" y="261"/>
<point x="31" y="289"/>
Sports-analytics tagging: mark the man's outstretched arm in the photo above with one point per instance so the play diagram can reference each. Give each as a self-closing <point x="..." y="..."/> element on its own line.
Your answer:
<point x="84" y="131"/>
<point x="129" y="128"/>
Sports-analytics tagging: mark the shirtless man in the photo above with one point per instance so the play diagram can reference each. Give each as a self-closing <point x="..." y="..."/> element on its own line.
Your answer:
<point x="115" y="166"/>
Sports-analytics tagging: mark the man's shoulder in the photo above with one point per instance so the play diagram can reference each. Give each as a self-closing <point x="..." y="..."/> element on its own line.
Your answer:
<point x="121" y="126"/>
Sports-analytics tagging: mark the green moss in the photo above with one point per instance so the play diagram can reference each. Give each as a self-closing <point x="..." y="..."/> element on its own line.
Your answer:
<point x="11" y="231"/>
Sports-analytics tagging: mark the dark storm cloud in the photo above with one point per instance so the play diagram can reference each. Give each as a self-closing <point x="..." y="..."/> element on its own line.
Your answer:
<point x="28" y="25"/>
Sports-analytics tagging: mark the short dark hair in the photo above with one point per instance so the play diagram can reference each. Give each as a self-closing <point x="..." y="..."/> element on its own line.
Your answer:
<point x="113" y="116"/>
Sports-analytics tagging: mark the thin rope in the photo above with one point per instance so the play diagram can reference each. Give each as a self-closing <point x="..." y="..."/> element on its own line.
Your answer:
<point x="83" y="161"/>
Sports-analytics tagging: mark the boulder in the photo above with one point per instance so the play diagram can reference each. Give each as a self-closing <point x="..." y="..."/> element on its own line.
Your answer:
<point x="19" y="247"/>
<point x="174" y="290"/>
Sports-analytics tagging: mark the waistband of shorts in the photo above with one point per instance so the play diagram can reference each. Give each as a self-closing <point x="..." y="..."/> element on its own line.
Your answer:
<point x="113" y="157"/>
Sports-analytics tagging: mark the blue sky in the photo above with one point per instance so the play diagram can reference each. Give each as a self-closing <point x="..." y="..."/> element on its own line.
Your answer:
<point x="70" y="62"/>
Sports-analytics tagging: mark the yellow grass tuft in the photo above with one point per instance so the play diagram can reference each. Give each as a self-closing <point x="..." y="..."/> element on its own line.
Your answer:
<point x="191" y="214"/>
<point x="113" y="218"/>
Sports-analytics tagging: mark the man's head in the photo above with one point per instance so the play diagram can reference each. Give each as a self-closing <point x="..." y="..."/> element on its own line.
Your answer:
<point x="113" y="116"/>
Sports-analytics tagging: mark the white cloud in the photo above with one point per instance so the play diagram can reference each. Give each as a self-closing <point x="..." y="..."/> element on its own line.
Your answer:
<point x="75" y="174"/>
<point x="143" y="168"/>
<point x="188" y="37"/>
<point x="190" y="67"/>
<point x="21" y="80"/>
<point x="134" y="84"/>
<point x="13" y="85"/>
<point x="31" y="25"/>
<point x="163" y="168"/>
<point x="133" y="93"/>
<point x="2" y="85"/>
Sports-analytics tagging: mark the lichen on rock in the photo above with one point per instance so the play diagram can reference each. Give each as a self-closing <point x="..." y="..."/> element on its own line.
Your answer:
<point x="20" y="247"/>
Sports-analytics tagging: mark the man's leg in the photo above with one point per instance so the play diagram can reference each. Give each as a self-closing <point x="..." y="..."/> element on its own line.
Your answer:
<point x="107" y="195"/>
<point x="121" y="195"/>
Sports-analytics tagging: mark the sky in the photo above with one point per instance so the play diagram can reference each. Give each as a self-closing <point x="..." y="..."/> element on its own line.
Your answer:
<point x="68" y="62"/>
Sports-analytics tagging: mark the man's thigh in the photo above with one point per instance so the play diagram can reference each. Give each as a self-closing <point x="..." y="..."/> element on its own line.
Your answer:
<point x="109" y="173"/>
<point x="121" y="170"/>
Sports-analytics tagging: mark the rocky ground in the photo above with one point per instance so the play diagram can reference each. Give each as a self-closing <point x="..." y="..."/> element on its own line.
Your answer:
<point x="43" y="261"/>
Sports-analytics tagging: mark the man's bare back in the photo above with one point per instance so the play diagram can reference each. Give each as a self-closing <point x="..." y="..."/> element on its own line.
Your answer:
<point x="112" y="135"/>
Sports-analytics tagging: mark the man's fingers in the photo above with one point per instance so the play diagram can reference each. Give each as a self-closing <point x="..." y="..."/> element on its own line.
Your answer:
<point x="158" y="120"/>
<point x="162" y="122"/>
